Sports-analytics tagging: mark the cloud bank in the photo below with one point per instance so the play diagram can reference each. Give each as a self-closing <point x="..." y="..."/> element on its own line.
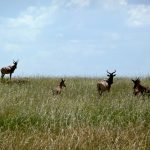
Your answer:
<point x="139" y="15"/>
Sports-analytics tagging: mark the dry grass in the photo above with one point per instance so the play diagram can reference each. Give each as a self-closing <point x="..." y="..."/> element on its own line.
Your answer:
<point x="32" y="118"/>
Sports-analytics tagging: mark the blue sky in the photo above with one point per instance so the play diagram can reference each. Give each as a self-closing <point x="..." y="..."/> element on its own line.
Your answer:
<point x="76" y="37"/>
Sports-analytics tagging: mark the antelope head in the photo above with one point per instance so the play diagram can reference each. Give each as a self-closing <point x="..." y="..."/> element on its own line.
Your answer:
<point x="111" y="75"/>
<point x="62" y="83"/>
<point x="136" y="81"/>
<point x="15" y="63"/>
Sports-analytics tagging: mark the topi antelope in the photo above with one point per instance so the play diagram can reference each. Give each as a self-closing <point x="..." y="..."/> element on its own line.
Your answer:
<point x="59" y="87"/>
<point x="140" y="89"/>
<point x="105" y="85"/>
<point x="9" y="69"/>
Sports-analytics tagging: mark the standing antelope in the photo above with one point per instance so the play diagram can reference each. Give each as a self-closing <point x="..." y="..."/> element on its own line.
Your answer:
<point x="140" y="89"/>
<point x="105" y="85"/>
<point x="59" y="87"/>
<point x="9" y="69"/>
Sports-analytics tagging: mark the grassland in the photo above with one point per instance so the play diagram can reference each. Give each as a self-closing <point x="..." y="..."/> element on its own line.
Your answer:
<point x="32" y="118"/>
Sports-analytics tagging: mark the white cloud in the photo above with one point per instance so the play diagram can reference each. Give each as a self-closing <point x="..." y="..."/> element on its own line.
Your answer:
<point x="34" y="17"/>
<point x="113" y="4"/>
<point x="79" y="3"/>
<point x="109" y="4"/>
<point x="26" y="26"/>
<point x="139" y="15"/>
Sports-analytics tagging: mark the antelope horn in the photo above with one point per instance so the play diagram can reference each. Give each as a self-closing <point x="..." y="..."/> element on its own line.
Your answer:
<point x="108" y="72"/>
<point x="113" y="72"/>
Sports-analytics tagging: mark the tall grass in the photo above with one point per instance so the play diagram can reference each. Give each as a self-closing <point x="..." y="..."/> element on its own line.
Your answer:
<point x="32" y="118"/>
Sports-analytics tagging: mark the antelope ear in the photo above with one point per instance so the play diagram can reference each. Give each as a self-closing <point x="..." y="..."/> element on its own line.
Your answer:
<point x="62" y="79"/>
<point x="114" y="75"/>
<point x="132" y="80"/>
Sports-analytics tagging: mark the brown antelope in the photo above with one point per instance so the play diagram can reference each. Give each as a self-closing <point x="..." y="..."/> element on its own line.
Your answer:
<point x="140" y="89"/>
<point x="105" y="85"/>
<point x="59" y="87"/>
<point x="9" y="69"/>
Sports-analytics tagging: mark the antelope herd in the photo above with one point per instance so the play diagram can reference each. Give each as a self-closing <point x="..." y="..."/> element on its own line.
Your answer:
<point x="102" y="86"/>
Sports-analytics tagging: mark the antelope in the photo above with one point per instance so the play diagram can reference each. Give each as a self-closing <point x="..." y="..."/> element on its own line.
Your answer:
<point x="9" y="69"/>
<point x="59" y="87"/>
<point x="105" y="85"/>
<point x="139" y="89"/>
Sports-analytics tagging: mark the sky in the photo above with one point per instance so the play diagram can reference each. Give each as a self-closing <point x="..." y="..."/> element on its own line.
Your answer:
<point x="75" y="37"/>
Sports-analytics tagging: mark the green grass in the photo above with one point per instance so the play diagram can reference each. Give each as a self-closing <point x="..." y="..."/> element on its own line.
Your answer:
<point x="32" y="118"/>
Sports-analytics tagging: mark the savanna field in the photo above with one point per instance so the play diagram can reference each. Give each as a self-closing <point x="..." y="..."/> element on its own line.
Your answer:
<point x="32" y="118"/>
